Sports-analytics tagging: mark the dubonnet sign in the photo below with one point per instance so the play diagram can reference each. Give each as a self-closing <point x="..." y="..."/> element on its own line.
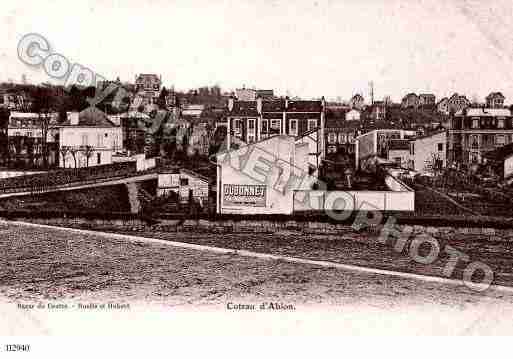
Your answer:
<point x="244" y="195"/>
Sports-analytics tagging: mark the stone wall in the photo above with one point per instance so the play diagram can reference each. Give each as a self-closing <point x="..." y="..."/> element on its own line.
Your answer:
<point x="262" y="226"/>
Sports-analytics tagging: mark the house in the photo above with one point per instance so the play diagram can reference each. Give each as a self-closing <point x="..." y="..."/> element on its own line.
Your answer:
<point x="25" y="133"/>
<point x="147" y="87"/>
<point x="495" y="100"/>
<point x="340" y="136"/>
<point x="245" y="94"/>
<point x="353" y="115"/>
<point x="428" y="152"/>
<point x="187" y="184"/>
<point x="199" y="139"/>
<point x="399" y="152"/>
<point x="502" y="160"/>
<point x="357" y="102"/>
<point x="133" y="126"/>
<point x="88" y="138"/>
<point x="411" y="100"/>
<point x="371" y="145"/>
<point x="453" y="104"/>
<point x="194" y="111"/>
<point x="15" y="101"/>
<point x="474" y="131"/>
<point x="427" y="100"/>
<point x="378" y="111"/>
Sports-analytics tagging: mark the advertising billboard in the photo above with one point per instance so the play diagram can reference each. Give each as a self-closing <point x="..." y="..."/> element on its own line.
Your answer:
<point x="244" y="195"/>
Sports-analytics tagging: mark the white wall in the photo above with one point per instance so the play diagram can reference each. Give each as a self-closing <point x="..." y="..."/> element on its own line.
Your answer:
<point x="104" y="141"/>
<point x="278" y="199"/>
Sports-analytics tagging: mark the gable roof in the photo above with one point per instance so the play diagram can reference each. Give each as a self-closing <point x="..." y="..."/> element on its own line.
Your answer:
<point x="91" y="117"/>
<point x="495" y="94"/>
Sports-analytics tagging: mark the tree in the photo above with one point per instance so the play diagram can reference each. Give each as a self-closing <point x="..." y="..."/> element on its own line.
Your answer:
<point x="88" y="152"/>
<point x="43" y="106"/>
<point x="161" y="101"/>
<point x="74" y="151"/>
<point x="64" y="150"/>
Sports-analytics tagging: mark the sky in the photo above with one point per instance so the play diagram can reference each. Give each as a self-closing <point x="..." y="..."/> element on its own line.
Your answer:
<point x="298" y="48"/>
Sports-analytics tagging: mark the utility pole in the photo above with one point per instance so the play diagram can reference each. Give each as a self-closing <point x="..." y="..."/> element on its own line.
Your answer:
<point x="371" y="86"/>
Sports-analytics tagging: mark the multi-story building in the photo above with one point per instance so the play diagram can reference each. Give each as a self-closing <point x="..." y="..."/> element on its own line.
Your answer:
<point x="147" y="87"/>
<point x="88" y="138"/>
<point x="25" y="133"/>
<point x="474" y="131"/>
<point x="340" y="136"/>
<point x="428" y="152"/>
<point x="495" y="100"/>
<point x="253" y="121"/>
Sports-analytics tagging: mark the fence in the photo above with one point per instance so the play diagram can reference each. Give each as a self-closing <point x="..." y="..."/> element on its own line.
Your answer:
<point x="66" y="177"/>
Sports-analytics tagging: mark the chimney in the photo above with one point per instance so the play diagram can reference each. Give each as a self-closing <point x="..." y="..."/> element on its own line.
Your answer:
<point x="230" y="104"/>
<point x="73" y="118"/>
<point x="259" y="104"/>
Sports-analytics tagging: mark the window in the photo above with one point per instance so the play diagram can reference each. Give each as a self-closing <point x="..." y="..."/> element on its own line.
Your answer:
<point x="264" y="125"/>
<point x="184" y="181"/>
<point x="99" y="158"/>
<point x="332" y="137"/>
<point x="251" y="125"/>
<point x="29" y="134"/>
<point x="342" y="138"/>
<point x="475" y="123"/>
<point x="293" y="127"/>
<point x="275" y="125"/>
<point x="500" y="123"/>
<point x="237" y="123"/>
<point x="397" y="160"/>
<point x="312" y="124"/>
<point x="412" y="148"/>
<point x="474" y="143"/>
<point x="100" y="140"/>
<point x="440" y="147"/>
<point x="84" y="140"/>
<point x="251" y="138"/>
<point x="500" y="140"/>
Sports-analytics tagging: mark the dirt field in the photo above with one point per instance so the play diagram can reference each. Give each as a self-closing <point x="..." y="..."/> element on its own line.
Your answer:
<point x="190" y="291"/>
<point x="53" y="264"/>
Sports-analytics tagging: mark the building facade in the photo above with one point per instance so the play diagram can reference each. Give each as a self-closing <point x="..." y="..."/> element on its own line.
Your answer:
<point x="474" y="131"/>
<point x="453" y="104"/>
<point x="88" y="139"/>
<point x="495" y="100"/>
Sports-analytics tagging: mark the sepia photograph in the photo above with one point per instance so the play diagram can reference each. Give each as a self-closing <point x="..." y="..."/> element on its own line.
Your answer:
<point x="269" y="168"/>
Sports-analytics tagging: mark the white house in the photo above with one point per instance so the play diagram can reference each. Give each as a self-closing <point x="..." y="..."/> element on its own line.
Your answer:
<point x="353" y="115"/>
<point x="88" y="138"/>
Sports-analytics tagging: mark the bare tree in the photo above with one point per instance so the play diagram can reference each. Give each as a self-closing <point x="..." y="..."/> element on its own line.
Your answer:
<point x="74" y="151"/>
<point x="42" y="105"/>
<point x="88" y="152"/>
<point x="64" y="150"/>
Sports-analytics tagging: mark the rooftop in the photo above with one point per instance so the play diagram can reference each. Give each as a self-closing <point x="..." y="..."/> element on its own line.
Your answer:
<point x="483" y="112"/>
<point x="91" y="117"/>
